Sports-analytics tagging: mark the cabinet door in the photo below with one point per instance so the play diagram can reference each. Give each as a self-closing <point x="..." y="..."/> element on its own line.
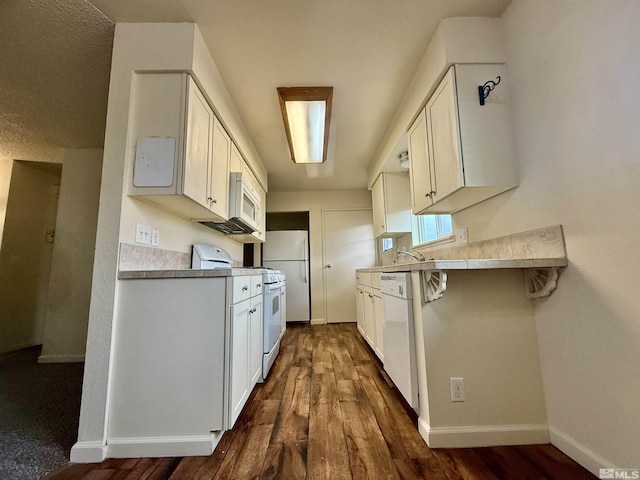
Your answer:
<point x="360" y="309"/>
<point x="378" y="313"/>
<point x="420" y="170"/>
<point x="369" y="318"/>
<point x="377" y="200"/>
<point x="219" y="176"/>
<point x="239" y="388"/>
<point x="236" y="161"/>
<point x="197" y="146"/>
<point x="444" y="138"/>
<point x="255" y="341"/>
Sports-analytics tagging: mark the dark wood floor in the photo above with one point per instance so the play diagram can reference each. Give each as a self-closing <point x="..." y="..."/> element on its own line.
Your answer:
<point x="328" y="412"/>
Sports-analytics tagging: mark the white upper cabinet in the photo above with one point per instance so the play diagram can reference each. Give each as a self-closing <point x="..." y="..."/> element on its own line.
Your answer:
<point x="197" y="146"/>
<point x="391" y="205"/>
<point x="219" y="177"/>
<point x="182" y="152"/>
<point x="460" y="151"/>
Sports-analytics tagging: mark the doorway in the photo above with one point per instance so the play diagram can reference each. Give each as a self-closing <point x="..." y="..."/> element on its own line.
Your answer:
<point x="349" y="244"/>
<point x="26" y="252"/>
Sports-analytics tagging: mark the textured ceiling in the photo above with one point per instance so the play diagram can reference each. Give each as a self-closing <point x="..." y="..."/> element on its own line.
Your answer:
<point x="55" y="57"/>
<point x="367" y="50"/>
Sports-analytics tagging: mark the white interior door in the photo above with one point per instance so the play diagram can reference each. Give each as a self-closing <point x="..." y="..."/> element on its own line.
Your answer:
<point x="349" y="244"/>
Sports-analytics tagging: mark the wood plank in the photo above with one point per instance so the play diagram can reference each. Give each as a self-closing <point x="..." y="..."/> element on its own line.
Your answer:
<point x="327" y="456"/>
<point x="403" y="440"/>
<point x="251" y="458"/>
<point x="553" y="463"/>
<point x="506" y="462"/>
<point x="368" y="453"/>
<point x="321" y="362"/>
<point x="285" y="461"/>
<point x="343" y="365"/>
<point x="419" y="468"/>
<point x="462" y="464"/>
<point x="292" y="422"/>
<point x="303" y="356"/>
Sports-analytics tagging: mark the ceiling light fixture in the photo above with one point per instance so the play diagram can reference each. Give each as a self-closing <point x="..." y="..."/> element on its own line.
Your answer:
<point x="306" y="112"/>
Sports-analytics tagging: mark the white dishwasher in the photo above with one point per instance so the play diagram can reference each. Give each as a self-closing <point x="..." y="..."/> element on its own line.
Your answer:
<point x="399" y="335"/>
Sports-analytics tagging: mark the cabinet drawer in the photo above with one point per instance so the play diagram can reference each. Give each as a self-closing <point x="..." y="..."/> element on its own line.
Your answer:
<point x="241" y="288"/>
<point x="256" y="285"/>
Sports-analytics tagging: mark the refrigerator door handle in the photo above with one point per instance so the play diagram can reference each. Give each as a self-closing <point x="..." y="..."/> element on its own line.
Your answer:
<point x="304" y="247"/>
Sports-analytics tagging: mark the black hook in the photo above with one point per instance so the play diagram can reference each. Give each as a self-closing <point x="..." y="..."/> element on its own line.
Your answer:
<point x="485" y="90"/>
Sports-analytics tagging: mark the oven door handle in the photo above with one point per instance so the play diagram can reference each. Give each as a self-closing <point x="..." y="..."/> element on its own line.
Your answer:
<point x="275" y="287"/>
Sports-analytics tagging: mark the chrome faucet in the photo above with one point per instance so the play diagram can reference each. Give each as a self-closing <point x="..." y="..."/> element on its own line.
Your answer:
<point x="418" y="257"/>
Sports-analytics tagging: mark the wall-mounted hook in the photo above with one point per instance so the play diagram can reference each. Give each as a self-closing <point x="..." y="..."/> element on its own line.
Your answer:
<point x="485" y="90"/>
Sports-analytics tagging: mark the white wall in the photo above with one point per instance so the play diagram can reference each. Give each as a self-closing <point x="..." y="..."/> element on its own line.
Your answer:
<point x="67" y="317"/>
<point x="25" y="256"/>
<point x="314" y="203"/>
<point x="574" y="90"/>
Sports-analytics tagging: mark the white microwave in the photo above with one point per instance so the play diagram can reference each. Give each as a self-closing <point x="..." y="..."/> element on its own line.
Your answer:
<point x="244" y="208"/>
<point x="244" y="202"/>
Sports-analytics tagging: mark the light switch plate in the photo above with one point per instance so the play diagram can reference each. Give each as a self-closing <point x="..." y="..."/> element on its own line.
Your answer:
<point x="462" y="235"/>
<point x="155" y="237"/>
<point x="143" y="234"/>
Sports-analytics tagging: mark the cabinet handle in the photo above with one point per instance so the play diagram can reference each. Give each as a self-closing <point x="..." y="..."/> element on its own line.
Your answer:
<point x="427" y="195"/>
<point x="209" y="199"/>
<point x="253" y="310"/>
<point x="245" y="288"/>
<point x="214" y="201"/>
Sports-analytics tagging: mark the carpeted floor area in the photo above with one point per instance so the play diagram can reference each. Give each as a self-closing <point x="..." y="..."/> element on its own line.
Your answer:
<point x="39" y="411"/>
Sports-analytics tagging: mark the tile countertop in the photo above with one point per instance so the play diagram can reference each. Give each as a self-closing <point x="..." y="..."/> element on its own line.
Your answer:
<point x="471" y="264"/>
<point x="189" y="273"/>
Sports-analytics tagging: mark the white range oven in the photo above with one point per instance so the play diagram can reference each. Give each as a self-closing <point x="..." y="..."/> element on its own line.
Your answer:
<point x="273" y="312"/>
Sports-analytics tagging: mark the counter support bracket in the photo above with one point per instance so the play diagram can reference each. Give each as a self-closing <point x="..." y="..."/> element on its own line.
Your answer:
<point x="434" y="284"/>
<point x="540" y="282"/>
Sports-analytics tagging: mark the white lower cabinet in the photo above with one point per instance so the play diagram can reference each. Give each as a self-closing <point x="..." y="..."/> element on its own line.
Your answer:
<point x="187" y="353"/>
<point x="245" y="366"/>
<point x="370" y="310"/>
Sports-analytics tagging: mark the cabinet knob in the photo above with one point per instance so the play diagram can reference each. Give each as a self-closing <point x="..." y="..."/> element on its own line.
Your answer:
<point x="209" y="199"/>
<point x="370" y="296"/>
<point x="328" y="265"/>
<point x="258" y="285"/>
<point x="214" y="201"/>
<point x="245" y="288"/>
<point x="427" y="195"/>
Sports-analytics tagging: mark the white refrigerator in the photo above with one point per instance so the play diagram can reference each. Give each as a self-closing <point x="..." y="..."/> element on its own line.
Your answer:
<point x="288" y="251"/>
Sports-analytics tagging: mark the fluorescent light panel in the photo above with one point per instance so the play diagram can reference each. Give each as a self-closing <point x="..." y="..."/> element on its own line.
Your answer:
<point x="306" y="113"/>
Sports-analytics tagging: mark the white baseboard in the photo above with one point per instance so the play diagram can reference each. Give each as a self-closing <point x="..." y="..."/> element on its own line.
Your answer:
<point x="162" y="446"/>
<point x="61" y="359"/>
<point x="318" y="321"/>
<point x="577" y="451"/>
<point x="482" y="436"/>
<point x="88" y="452"/>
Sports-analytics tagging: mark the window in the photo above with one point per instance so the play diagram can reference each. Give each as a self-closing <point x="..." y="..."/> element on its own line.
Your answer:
<point x="431" y="228"/>
<point x="387" y="244"/>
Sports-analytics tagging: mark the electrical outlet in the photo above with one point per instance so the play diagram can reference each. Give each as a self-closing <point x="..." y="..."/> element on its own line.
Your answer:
<point x="143" y="234"/>
<point x="457" y="389"/>
<point x="155" y="237"/>
<point x="462" y="235"/>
